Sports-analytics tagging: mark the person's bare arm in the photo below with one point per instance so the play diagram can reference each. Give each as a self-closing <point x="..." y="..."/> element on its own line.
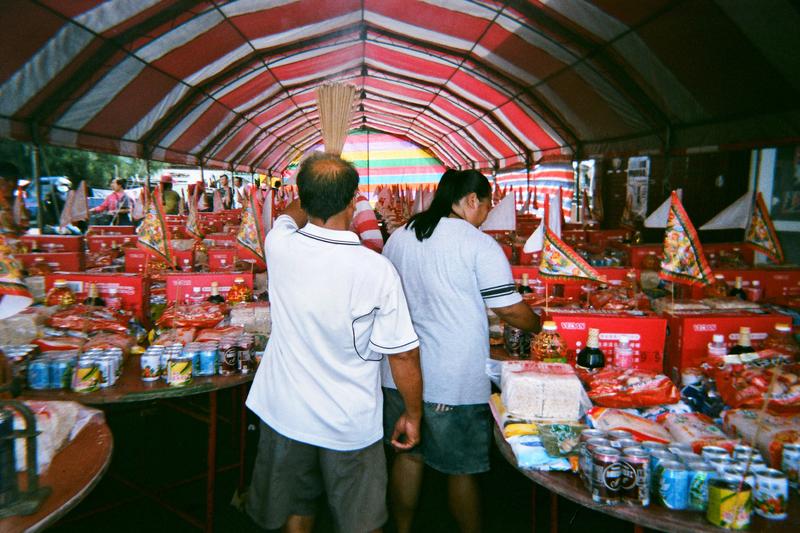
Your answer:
<point x="519" y="315"/>
<point x="295" y="210"/>
<point x="408" y="378"/>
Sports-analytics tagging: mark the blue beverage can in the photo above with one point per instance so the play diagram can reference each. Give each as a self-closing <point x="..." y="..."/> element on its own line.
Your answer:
<point x="39" y="374"/>
<point x="700" y="475"/>
<point x="208" y="361"/>
<point x="656" y="458"/>
<point x="60" y="373"/>
<point x="673" y="486"/>
<point x="193" y="351"/>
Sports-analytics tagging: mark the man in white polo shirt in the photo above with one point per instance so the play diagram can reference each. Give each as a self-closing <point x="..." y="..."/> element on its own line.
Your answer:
<point x="338" y="309"/>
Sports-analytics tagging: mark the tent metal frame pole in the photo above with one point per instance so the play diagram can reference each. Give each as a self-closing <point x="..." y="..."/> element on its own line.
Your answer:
<point x="38" y="185"/>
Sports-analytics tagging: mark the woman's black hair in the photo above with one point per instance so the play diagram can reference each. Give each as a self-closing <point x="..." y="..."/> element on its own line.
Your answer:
<point x="453" y="186"/>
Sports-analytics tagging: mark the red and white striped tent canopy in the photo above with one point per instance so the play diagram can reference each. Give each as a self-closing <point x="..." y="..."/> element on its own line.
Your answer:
<point x="480" y="83"/>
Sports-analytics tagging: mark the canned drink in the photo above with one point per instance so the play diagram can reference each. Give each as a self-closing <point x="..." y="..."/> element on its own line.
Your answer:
<point x="606" y="475"/>
<point x="105" y="365"/>
<point x="720" y="464"/>
<point x="60" y="373"/>
<point x="673" y="485"/>
<point x="208" y="361"/>
<point x="585" y="458"/>
<point x="246" y="362"/>
<point x="587" y="434"/>
<point x="517" y="342"/>
<point x="621" y="444"/>
<point x="656" y="458"/>
<point x="771" y="494"/>
<point x="39" y="374"/>
<point x="700" y="475"/>
<point x="116" y="353"/>
<point x="86" y="377"/>
<point x="653" y="445"/>
<point x="635" y="485"/>
<point x="679" y="447"/>
<point x="790" y="463"/>
<point x="728" y="506"/>
<point x="193" y="351"/>
<point x="151" y="366"/>
<point x="688" y="457"/>
<point x="165" y="357"/>
<point x="739" y="473"/>
<point x="180" y="370"/>
<point x="742" y="452"/>
<point x="617" y="434"/>
<point x="714" y="452"/>
<point x="228" y="356"/>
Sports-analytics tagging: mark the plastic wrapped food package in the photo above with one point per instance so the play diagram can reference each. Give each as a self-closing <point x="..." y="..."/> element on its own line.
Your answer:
<point x="546" y="391"/>
<point x="201" y="315"/>
<point x="618" y="387"/>
<point x="253" y="317"/>
<point x="746" y="386"/>
<point x="641" y="428"/>
<point x="695" y="429"/>
<point x="775" y="431"/>
<point x="55" y="421"/>
<point x="85" y="318"/>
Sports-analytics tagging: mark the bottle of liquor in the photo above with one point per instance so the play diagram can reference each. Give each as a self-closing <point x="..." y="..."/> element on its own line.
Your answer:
<point x="743" y="344"/>
<point x="93" y="298"/>
<point x="524" y="286"/>
<point x="737" y="291"/>
<point x="548" y="346"/>
<point x="592" y="357"/>
<point x="186" y="267"/>
<point x="215" y="296"/>
<point x="632" y="282"/>
<point x="718" y="288"/>
<point x="197" y="296"/>
<point x="782" y="340"/>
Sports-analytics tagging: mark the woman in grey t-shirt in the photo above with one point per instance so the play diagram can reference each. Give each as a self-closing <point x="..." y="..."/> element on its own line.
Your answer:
<point x="451" y="272"/>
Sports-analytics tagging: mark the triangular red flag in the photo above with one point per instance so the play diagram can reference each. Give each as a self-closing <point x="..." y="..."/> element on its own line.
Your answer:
<point x="250" y="238"/>
<point x="683" y="261"/>
<point x="560" y="261"/>
<point x="153" y="235"/>
<point x="760" y="232"/>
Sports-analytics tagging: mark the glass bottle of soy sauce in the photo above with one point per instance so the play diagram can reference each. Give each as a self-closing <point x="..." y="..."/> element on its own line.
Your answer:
<point x="215" y="296"/>
<point x="592" y="357"/>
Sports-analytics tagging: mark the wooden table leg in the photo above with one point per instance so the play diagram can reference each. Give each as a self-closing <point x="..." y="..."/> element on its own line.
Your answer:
<point x="242" y="434"/>
<point x="533" y="507"/>
<point x="212" y="459"/>
<point x="553" y="512"/>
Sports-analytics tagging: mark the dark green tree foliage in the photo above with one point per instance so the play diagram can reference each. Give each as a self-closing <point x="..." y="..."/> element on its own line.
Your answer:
<point x="96" y="168"/>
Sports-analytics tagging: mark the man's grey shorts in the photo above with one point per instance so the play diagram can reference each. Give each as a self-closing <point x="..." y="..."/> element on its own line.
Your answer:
<point x="290" y="476"/>
<point x="455" y="438"/>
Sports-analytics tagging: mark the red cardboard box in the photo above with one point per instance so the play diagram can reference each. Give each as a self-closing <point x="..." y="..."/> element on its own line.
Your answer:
<point x="217" y="255"/>
<point x="572" y="289"/>
<point x="646" y="334"/>
<point x="135" y="259"/>
<point x="131" y="288"/>
<point x="181" y="283"/>
<point x="111" y="230"/>
<point x="690" y="333"/>
<point x="221" y="239"/>
<point x="64" y="261"/>
<point x="54" y="243"/>
<point x="100" y="242"/>
<point x="781" y="282"/>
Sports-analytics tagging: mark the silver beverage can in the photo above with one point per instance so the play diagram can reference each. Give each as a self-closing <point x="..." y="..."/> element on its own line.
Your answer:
<point x="790" y="463"/>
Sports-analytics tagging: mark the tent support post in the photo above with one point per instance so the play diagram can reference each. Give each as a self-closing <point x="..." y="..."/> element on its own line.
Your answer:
<point x="38" y="184"/>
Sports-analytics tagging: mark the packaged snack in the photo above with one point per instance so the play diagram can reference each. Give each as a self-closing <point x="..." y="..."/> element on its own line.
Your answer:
<point x="200" y="315"/>
<point x="216" y="334"/>
<point x="89" y="319"/>
<point x="618" y="387"/>
<point x="110" y="340"/>
<point x="746" y="386"/>
<point x="772" y="432"/>
<point x="695" y="429"/>
<point x="641" y="428"/>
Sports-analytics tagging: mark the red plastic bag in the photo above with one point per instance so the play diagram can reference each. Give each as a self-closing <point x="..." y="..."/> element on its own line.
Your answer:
<point x="89" y="319"/>
<point x="618" y="387"/>
<point x="201" y="315"/>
